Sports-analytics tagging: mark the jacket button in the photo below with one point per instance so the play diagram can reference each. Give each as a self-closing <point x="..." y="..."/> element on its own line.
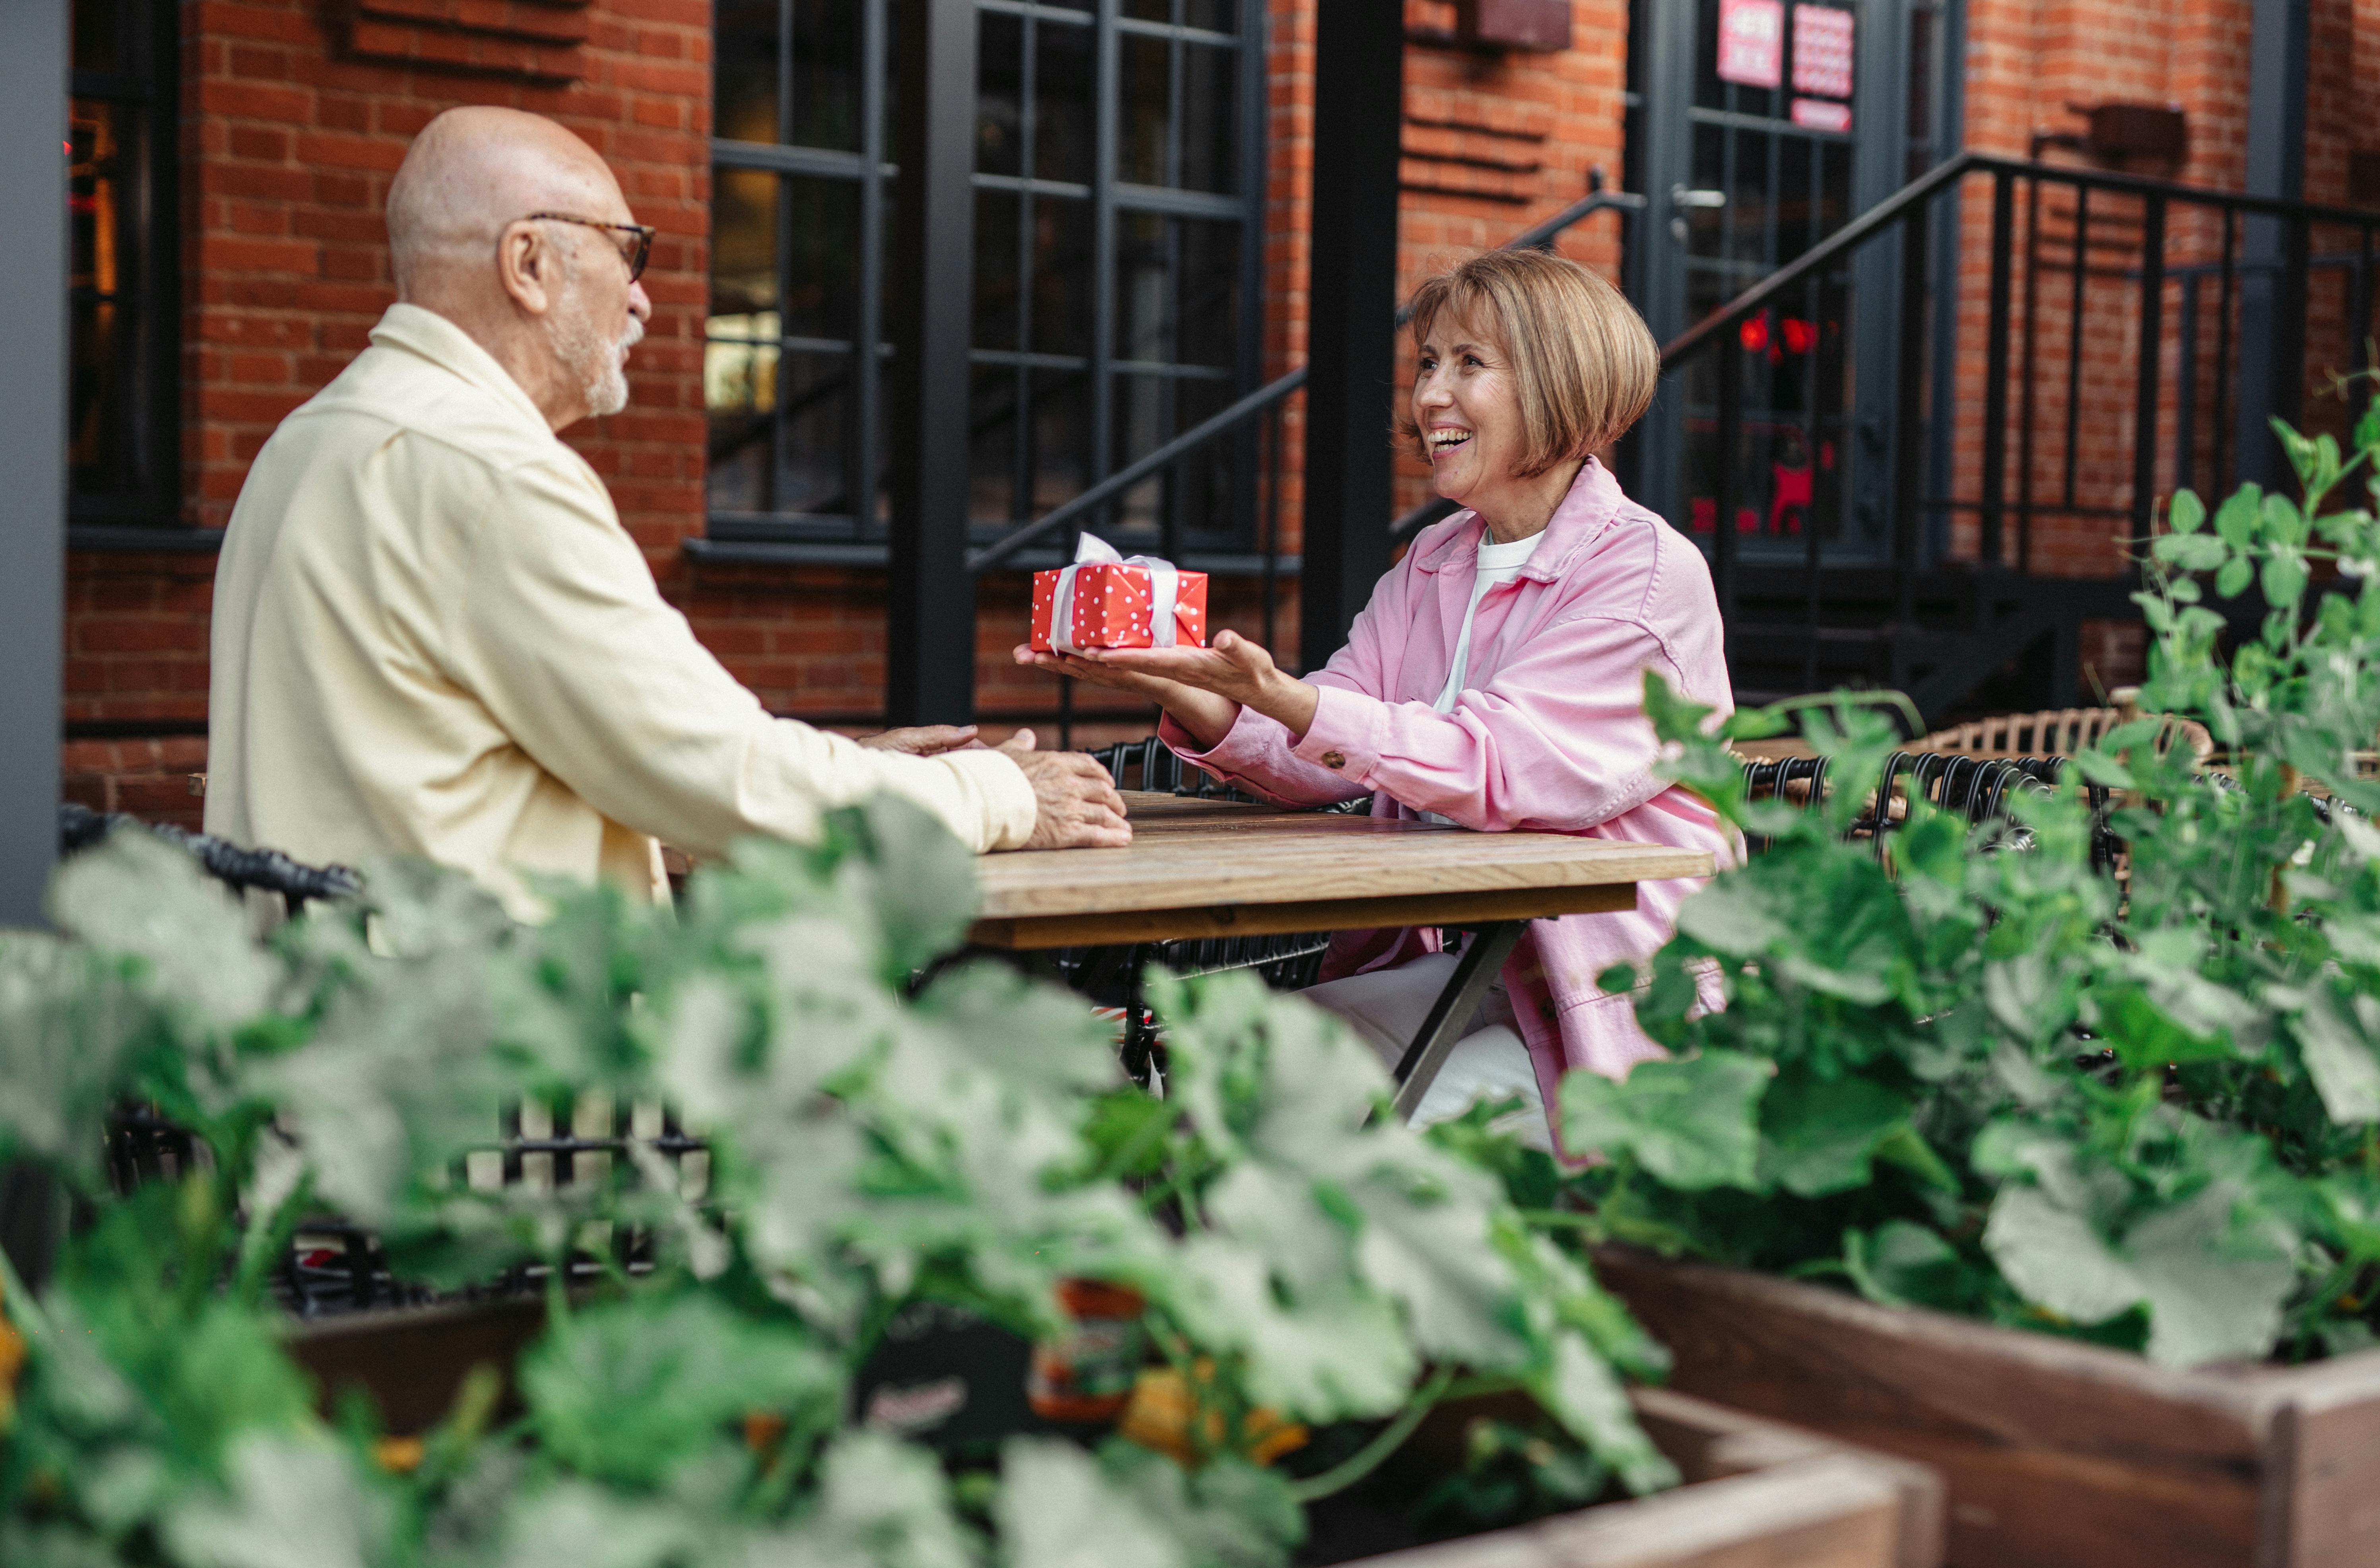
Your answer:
<point x="1334" y="759"/>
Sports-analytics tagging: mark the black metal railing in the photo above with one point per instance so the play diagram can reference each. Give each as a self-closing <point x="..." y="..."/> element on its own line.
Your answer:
<point x="2104" y="339"/>
<point x="1059" y="526"/>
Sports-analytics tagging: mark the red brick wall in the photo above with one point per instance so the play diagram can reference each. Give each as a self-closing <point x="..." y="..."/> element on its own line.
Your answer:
<point x="290" y="135"/>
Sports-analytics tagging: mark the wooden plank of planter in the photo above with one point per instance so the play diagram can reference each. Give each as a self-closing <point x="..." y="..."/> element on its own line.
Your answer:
<point x="1758" y="1495"/>
<point x="412" y="1361"/>
<point x="2059" y="1454"/>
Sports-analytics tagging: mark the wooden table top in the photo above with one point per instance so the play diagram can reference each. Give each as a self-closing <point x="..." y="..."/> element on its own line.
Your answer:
<point x="1212" y="867"/>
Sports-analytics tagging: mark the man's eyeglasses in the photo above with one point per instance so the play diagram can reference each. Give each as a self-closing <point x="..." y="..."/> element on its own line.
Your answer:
<point x="635" y="251"/>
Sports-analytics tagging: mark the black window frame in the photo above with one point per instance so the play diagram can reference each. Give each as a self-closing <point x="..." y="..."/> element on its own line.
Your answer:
<point x="843" y="538"/>
<point x="149" y="511"/>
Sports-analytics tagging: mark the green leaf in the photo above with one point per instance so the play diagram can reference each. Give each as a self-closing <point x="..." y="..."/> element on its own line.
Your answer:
<point x="625" y="1393"/>
<point x="1056" y="1510"/>
<point x="1902" y="1265"/>
<point x="1818" y="1135"/>
<point x="1580" y="1391"/>
<point x="293" y="1502"/>
<point x="2190" y="552"/>
<point x="2335" y="1037"/>
<point x="1692" y="1123"/>
<point x="2284" y="577"/>
<point x="2185" y="513"/>
<point x="2235" y="520"/>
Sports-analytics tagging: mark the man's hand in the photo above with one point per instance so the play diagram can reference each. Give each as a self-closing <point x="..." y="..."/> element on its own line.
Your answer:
<point x="1077" y="803"/>
<point x="924" y="740"/>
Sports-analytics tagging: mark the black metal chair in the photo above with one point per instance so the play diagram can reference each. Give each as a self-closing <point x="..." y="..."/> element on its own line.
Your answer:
<point x="264" y="871"/>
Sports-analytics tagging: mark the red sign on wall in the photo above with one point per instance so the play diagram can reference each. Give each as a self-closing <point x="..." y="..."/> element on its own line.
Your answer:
<point x="1751" y="42"/>
<point x="1822" y="51"/>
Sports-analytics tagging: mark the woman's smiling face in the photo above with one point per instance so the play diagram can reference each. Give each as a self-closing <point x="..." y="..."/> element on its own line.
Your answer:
<point x="1468" y="409"/>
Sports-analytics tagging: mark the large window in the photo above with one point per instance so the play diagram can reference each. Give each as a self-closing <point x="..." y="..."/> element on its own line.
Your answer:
<point x="1117" y="189"/>
<point x="124" y="413"/>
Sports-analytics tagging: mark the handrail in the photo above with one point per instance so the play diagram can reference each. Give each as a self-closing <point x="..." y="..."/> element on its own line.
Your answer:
<point x="1538" y="236"/>
<point x="1948" y="172"/>
<point x="1123" y="478"/>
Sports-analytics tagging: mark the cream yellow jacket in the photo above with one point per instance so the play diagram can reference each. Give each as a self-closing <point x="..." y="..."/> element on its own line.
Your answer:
<point x="433" y="638"/>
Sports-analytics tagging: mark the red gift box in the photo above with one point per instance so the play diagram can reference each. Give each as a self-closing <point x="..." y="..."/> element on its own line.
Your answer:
<point x="1111" y="602"/>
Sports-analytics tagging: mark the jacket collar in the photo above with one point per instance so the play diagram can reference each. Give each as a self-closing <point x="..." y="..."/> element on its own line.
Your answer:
<point x="439" y="341"/>
<point x="1585" y="512"/>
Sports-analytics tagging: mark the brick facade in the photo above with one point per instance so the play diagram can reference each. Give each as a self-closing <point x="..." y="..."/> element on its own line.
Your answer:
<point x="296" y="114"/>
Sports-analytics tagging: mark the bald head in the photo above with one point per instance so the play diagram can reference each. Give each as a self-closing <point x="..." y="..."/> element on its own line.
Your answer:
<point x="471" y="172"/>
<point x="496" y="221"/>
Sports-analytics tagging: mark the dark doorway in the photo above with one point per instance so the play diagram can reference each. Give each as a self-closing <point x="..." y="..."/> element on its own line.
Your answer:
<point x="1758" y="130"/>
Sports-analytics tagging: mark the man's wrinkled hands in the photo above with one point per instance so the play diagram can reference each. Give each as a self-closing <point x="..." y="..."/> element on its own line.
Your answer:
<point x="924" y="740"/>
<point x="1076" y="803"/>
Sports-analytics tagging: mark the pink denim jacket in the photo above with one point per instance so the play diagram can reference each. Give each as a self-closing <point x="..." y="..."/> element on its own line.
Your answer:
<point x="1549" y="734"/>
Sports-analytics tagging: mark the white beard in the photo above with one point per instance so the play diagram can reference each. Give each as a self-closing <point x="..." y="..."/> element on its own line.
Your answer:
<point x="601" y="366"/>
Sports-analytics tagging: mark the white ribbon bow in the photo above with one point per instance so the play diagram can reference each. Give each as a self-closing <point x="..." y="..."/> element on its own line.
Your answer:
<point x="1164" y="592"/>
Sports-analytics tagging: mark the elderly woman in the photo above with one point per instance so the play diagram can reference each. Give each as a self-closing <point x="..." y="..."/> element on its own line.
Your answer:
<point x="1496" y="678"/>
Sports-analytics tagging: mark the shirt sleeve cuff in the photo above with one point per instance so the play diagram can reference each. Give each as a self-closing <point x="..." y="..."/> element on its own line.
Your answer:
<point x="1006" y="793"/>
<point x="1345" y="734"/>
<point x="1241" y="746"/>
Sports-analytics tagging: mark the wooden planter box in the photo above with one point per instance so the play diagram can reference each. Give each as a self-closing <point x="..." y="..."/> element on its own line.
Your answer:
<point x="2058" y="1454"/>
<point x="1758" y="1494"/>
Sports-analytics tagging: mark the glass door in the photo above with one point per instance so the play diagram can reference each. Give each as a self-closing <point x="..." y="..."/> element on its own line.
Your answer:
<point x="1759" y="130"/>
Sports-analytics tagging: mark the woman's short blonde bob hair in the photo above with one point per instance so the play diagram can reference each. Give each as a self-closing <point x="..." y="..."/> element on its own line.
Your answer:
<point x="1583" y="361"/>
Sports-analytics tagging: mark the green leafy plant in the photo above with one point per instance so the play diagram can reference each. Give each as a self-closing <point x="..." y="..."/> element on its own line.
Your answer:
<point x="1990" y="1079"/>
<point x="880" y="1132"/>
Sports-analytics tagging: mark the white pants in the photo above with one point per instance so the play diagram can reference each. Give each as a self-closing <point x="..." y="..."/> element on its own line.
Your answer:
<point x="1387" y="1009"/>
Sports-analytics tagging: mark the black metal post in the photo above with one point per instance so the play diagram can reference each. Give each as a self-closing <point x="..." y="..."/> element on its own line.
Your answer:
<point x="32" y="523"/>
<point x="1727" y="488"/>
<point x="1358" y="102"/>
<point x="1996" y="370"/>
<point x="2151" y="351"/>
<point x="2272" y="334"/>
<point x="929" y="656"/>
<point x="32" y="447"/>
<point x="1909" y="438"/>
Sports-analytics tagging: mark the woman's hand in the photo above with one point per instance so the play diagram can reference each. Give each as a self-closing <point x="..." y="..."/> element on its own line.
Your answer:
<point x="1232" y="668"/>
<point x="1209" y="717"/>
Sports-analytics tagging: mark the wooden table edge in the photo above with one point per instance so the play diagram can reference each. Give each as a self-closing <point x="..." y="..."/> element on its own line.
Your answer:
<point x="1107" y="929"/>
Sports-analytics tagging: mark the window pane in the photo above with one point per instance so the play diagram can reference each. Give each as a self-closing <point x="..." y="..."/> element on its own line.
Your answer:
<point x="1065" y="85"/>
<point x="1062" y="437"/>
<point x="739" y="389"/>
<point x="104" y="414"/>
<point x="1147" y="109"/>
<point x="997" y="301"/>
<point x="1221" y="15"/>
<point x="822" y="272"/>
<point x="828" y="46"/>
<point x="1210" y="292"/>
<point x="1211" y="117"/>
<point x="1149" y="10"/>
<point x="1061" y="276"/>
<point x="743" y="242"/>
<point x="1000" y="76"/>
<point x="815" y="390"/>
<point x="1177" y="291"/>
<point x="991" y="469"/>
<point x="99" y="35"/>
<point x="746" y="71"/>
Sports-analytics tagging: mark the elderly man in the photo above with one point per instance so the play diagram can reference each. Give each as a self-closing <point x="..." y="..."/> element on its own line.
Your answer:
<point x="433" y="638"/>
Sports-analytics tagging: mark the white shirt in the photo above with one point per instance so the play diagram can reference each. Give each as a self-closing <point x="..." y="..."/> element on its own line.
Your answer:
<point x="433" y="638"/>
<point x="1498" y="564"/>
